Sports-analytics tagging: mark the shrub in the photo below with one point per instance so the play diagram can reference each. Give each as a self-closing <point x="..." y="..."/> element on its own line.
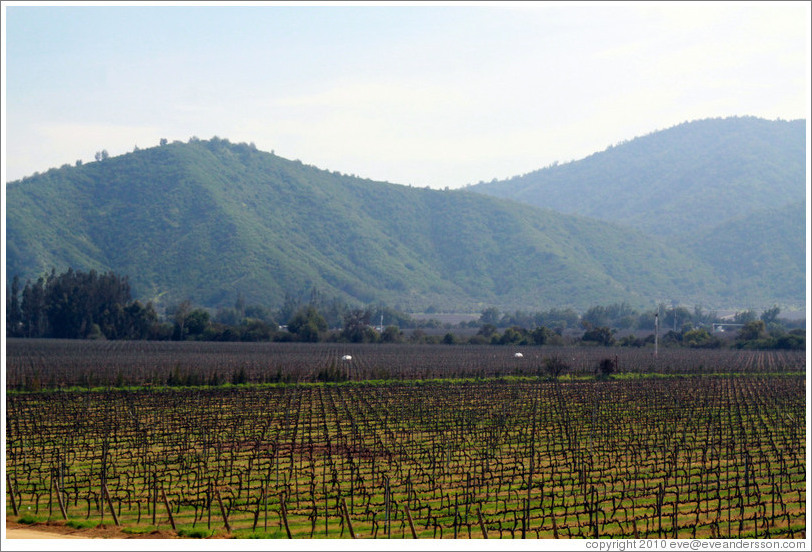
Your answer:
<point x="606" y="367"/>
<point x="554" y="366"/>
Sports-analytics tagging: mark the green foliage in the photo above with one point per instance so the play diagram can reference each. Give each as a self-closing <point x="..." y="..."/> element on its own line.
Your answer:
<point x="645" y="182"/>
<point x="30" y="519"/>
<point x="391" y="334"/>
<point x="600" y="335"/>
<point x="210" y="219"/>
<point x="307" y="323"/>
<point x="754" y="335"/>
<point x="700" y="338"/>
<point x="728" y="191"/>
<point x="617" y="315"/>
<point x="79" y="305"/>
<point x="356" y="327"/>
<point x="755" y="329"/>
<point x="82" y="524"/>
<point x="513" y="336"/>
<point x="760" y="254"/>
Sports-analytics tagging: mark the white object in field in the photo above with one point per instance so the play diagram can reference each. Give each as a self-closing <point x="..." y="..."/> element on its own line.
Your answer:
<point x="518" y="355"/>
<point x="346" y="357"/>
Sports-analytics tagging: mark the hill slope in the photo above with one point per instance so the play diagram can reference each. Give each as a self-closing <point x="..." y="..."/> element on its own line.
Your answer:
<point x="210" y="219"/>
<point x="759" y="254"/>
<point x="690" y="177"/>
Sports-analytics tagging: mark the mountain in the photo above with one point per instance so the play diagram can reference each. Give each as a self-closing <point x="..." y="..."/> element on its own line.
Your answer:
<point x="686" y="179"/>
<point x="762" y="253"/>
<point x="208" y="220"/>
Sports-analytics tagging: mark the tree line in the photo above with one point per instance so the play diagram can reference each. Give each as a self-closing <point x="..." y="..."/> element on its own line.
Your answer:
<point x="78" y="305"/>
<point x="92" y="305"/>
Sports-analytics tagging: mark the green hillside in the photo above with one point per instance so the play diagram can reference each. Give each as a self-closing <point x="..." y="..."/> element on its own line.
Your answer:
<point x="691" y="177"/>
<point x="760" y="254"/>
<point x="206" y="220"/>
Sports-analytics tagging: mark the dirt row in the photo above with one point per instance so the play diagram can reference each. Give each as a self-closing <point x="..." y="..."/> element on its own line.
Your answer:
<point x="58" y="530"/>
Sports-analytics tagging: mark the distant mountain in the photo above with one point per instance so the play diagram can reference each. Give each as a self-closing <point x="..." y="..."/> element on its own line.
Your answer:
<point x="759" y="254"/>
<point x="688" y="178"/>
<point x="206" y="220"/>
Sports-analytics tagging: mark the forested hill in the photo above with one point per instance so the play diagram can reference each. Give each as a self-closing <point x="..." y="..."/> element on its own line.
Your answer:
<point x="686" y="179"/>
<point x="208" y="220"/>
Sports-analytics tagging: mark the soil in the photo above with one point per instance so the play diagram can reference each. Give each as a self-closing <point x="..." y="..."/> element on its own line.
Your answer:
<point x="58" y="530"/>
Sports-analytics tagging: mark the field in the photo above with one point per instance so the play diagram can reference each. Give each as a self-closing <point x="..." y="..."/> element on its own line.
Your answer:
<point x="406" y="441"/>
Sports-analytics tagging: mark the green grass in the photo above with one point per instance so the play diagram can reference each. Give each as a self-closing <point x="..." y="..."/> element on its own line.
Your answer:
<point x="278" y="534"/>
<point x="81" y="524"/>
<point x="564" y="378"/>
<point x="30" y="519"/>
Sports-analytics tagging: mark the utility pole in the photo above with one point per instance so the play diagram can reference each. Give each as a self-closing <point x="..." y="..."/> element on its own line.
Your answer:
<point x="656" y="331"/>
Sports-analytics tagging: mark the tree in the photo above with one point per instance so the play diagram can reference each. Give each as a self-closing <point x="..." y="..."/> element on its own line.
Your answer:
<point x="13" y="313"/>
<point x="142" y="321"/>
<point x="744" y="317"/>
<point x="391" y="334"/>
<point x="512" y="335"/>
<point x="541" y="335"/>
<point x="770" y="315"/>
<point x="181" y="312"/>
<point x="307" y="323"/>
<point x="675" y="317"/>
<point x="356" y="327"/>
<point x="197" y="322"/>
<point x="489" y="316"/>
<point x="602" y="335"/>
<point x="554" y="366"/>
<point x="755" y="329"/>
<point x="700" y="338"/>
<point x="606" y="367"/>
<point x="595" y="316"/>
<point x="163" y="141"/>
<point x="487" y="330"/>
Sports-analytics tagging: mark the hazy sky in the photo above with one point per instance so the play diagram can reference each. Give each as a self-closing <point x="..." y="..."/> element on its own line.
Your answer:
<point x="423" y="94"/>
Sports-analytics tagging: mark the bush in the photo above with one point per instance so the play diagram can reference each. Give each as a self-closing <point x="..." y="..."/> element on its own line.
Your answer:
<point x="606" y="367"/>
<point x="554" y="366"/>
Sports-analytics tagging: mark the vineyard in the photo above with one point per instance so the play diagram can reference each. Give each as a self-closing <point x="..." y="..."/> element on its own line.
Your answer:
<point x="406" y="441"/>
<point x="36" y="364"/>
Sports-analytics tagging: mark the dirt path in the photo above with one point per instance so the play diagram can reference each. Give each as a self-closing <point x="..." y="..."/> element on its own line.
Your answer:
<point x="34" y="534"/>
<point x="58" y="530"/>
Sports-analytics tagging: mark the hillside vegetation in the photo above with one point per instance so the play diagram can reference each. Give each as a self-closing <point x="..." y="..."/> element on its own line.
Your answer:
<point x="210" y="220"/>
<point x="688" y="178"/>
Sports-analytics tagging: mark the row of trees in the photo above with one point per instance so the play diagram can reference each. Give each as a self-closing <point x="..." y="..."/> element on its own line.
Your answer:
<point x="621" y="316"/>
<point x="78" y="305"/>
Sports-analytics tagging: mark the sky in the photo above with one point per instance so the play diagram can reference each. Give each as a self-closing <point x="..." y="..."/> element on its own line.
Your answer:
<point x="426" y="94"/>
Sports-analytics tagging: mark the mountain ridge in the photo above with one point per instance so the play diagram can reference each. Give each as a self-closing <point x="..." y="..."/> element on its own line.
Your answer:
<point x="722" y="167"/>
<point x="211" y="220"/>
